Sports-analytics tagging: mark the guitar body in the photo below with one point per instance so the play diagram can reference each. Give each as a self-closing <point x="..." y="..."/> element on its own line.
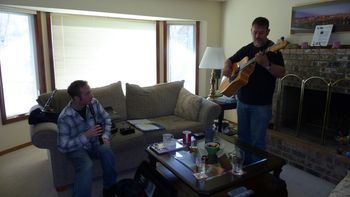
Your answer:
<point x="240" y="74"/>
<point x="238" y="79"/>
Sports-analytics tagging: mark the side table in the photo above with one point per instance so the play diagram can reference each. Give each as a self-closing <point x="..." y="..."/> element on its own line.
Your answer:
<point x="226" y="103"/>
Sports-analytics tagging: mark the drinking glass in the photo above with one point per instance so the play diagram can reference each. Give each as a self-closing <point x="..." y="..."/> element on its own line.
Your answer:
<point x="168" y="140"/>
<point x="200" y="163"/>
<point x="236" y="158"/>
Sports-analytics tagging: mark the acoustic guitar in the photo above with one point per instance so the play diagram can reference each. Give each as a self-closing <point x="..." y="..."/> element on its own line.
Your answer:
<point x="242" y="70"/>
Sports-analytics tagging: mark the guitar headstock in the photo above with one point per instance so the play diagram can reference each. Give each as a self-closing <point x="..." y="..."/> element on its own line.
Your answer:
<point x="281" y="44"/>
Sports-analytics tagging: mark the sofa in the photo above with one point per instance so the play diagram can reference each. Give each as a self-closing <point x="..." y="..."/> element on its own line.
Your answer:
<point x="168" y="104"/>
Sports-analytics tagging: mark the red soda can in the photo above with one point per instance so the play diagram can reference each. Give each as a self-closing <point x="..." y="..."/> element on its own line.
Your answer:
<point x="186" y="137"/>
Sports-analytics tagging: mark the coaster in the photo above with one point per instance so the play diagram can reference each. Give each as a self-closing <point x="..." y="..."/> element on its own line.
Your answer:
<point x="200" y="176"/>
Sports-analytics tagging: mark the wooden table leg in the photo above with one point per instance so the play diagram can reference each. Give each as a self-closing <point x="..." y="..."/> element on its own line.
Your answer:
<point x="220" y="118"/>
<point x="152" y="161"/>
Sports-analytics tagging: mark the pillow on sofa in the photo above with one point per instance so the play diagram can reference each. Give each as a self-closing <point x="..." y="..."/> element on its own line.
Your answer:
<point x="112" y="96"/>
<point x="152" y="101"/>
<point x="109" y="96"/>
<point x="186" y="101"/>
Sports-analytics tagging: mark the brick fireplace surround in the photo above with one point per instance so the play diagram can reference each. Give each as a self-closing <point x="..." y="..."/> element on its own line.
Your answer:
<point x="308" y="151"/>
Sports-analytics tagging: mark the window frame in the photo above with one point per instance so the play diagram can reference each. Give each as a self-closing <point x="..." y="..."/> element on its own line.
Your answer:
<point x="166" y="54"/>
<point x="38" y="42"/>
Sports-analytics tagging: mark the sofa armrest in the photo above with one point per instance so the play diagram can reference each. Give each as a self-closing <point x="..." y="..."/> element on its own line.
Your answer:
<point x="209" y="111"/>
<point x="44" y="135"/>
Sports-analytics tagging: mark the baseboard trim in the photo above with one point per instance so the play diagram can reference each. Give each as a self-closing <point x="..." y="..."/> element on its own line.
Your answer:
<point x="15" y="148"/>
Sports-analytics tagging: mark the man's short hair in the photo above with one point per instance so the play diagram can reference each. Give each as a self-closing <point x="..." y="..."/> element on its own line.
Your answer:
<point x="261" y="21"/>
<point x="74" y="88"/>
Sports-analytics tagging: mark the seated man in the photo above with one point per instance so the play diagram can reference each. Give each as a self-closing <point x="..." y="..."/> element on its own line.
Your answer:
<point x="84" y="134"/>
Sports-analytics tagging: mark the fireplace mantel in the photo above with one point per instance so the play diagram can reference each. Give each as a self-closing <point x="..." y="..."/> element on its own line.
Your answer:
<point x="330" y="64"/>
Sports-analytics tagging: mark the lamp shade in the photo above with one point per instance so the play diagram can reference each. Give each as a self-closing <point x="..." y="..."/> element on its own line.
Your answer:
<point x="213" y="58"/>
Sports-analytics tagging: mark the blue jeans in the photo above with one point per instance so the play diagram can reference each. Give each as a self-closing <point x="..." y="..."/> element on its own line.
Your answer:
<point x="253" y="121"/>
<point x="83" y="164"/>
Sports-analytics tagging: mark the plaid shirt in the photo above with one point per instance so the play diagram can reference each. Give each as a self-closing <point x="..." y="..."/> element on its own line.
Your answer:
<point x="71" y="127"/>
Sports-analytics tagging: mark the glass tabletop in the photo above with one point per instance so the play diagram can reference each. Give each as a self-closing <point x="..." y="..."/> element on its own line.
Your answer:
<point x="188" y="158"/>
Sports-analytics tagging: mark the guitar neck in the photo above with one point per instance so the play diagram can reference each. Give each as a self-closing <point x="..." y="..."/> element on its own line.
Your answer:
<point x="252" y="60"/>
<point x="242" y="66"/>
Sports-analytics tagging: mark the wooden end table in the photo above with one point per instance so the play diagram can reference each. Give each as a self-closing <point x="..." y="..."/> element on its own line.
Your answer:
<point x="226" y="103"/>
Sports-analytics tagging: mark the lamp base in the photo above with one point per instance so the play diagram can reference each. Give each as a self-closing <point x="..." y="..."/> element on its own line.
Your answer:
<point x="212" y="95"/>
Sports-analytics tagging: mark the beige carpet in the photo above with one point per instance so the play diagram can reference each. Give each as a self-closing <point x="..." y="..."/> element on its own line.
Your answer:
<point x="27" y="173"/>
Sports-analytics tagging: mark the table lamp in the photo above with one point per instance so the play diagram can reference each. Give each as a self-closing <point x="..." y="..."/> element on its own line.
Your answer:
<point x="213" y="58"/>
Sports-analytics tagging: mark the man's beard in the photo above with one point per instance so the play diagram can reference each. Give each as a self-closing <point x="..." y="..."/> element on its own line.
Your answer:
<point x="259" y="42"/>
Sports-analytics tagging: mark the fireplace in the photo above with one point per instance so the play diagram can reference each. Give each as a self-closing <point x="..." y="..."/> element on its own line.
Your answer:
<point x="311" y="109"/>
<point x="306" y="114"/>
<point x="313" y="99"/>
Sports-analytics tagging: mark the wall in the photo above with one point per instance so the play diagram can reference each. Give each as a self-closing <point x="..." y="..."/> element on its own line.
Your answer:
<point x="238" y="16"/>
<point x="208" y="12"/>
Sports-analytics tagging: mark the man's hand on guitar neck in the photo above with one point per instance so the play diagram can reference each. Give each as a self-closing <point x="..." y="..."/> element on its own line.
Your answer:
<point x="275" y="69"/>
<point x="261" y="58"/>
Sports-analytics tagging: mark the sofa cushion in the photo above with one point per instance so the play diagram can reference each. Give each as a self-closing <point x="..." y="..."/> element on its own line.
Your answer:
<point x="109" y="96"/>
<point x="186" y="101"/>
<point x="152" y="101"/>
<point x="173" y="124"/>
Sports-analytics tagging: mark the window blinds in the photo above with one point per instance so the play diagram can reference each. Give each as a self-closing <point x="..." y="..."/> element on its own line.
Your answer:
<point x="103" y="50"/>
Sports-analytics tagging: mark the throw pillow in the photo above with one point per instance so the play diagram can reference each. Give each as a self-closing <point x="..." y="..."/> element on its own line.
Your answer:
<point x="152" y="101"/>
<point x="112" y="96"/>
<point x="188" y="105"/>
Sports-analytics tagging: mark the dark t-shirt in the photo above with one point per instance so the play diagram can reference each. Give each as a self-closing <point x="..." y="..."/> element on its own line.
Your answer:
<point x="261" y="84"/>
<point x="82" y="112"/>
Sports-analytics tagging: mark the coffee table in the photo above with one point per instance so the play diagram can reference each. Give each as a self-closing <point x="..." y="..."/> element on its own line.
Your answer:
<point x="255" y="172"/>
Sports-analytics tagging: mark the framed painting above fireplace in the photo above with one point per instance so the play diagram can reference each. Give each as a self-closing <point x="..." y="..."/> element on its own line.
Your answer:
<point x="305" y="18"/>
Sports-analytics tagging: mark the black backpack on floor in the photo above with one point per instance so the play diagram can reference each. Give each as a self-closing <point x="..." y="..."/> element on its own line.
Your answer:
<point x="147" y="182"/>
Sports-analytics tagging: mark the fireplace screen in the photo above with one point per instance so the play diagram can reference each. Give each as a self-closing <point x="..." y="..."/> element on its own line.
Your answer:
<point x="313" y="108"/>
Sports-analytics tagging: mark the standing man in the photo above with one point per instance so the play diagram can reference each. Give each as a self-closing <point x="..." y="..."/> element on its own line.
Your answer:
<point x="80" y="124"/>
<point x="254" y="103"/>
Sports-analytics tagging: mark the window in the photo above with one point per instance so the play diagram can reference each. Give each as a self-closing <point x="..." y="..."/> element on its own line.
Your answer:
<point x="181" y="54"/>
<point x="19" y="65"/>
<point x="103" y="50"/>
